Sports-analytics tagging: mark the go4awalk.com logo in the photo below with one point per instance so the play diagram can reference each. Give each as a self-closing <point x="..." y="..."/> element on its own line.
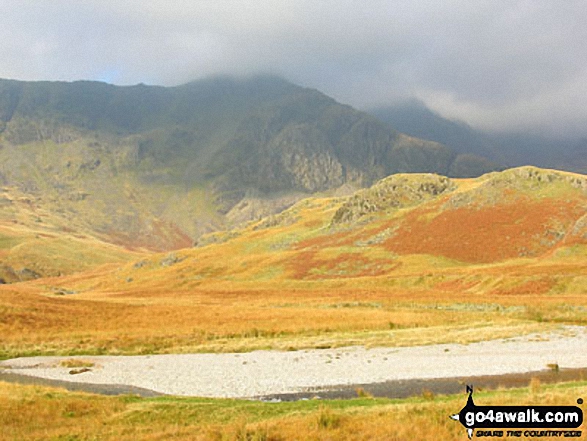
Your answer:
<point x="518" y="421"/>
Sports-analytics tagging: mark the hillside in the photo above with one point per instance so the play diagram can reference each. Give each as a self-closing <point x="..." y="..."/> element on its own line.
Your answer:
<point x="36" y="243"/>
<point x="402" y="224"/>
<point x="153" y="168"/>
<point x="414" y="259"/>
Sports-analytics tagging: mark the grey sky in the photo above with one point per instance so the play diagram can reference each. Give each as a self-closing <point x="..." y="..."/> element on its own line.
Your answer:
<point x="497" y="64"/>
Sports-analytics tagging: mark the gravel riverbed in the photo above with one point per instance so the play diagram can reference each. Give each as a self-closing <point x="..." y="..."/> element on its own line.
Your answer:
<point x="261" y="373"/>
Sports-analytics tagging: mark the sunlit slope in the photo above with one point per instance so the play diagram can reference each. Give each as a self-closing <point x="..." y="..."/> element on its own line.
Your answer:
<point x="35" y="243"/>
<point x="406" y="227"/>
<point x="87" y="187"/>
<point x="415" y="259"/>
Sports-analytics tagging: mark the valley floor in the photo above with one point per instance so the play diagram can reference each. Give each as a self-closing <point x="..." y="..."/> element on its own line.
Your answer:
<point x="262" y="373"/>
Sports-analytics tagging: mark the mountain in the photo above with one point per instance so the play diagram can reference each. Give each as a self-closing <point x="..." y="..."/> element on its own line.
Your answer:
<point x="511" y="150"/>
<point x="149" y="167"/>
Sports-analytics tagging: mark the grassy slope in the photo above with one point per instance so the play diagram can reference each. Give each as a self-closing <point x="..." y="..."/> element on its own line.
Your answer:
<point x="95" y="190"/>
<point x="35" y="242"/>
<point x="414" y="266"/>
<point x="35" y="413"/>
<point x="508" y="224"/>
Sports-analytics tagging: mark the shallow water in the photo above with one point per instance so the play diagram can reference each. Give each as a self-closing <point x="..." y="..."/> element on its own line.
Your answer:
<point x="443" y="386"/>
<point x="102" y="389"/>
<point x="388" y="389"/>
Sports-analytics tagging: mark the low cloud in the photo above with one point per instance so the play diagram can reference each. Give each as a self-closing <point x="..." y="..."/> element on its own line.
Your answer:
<point x="497" y="64"/>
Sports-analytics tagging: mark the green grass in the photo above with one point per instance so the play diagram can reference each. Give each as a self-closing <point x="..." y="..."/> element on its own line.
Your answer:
<point x="8" y="242"/>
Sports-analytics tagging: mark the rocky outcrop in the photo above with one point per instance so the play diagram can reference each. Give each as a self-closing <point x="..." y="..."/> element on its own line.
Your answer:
<point x="394" y="192"/>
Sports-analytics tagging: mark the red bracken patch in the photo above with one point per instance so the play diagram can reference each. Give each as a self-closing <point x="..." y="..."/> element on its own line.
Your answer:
<point x="540" y="286"/>
<point x="305" y="265"/>
<point x="487" y="234"/>
<point x="457" y="285"/>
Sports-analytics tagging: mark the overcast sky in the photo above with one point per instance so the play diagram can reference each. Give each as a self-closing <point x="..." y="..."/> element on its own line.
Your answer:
<point x="496" y="64"/>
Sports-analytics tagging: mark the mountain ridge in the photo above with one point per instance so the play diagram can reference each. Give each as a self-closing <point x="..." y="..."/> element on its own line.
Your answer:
<point x="508" y="149"/>
<point x="156" y="167"/>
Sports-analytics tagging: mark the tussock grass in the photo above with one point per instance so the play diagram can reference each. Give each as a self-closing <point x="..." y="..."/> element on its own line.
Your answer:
<point x="327" y="418"/>
<point x="76" y="363"/>
<point x="535" y="385"/>
<point x="362" y="393"/>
